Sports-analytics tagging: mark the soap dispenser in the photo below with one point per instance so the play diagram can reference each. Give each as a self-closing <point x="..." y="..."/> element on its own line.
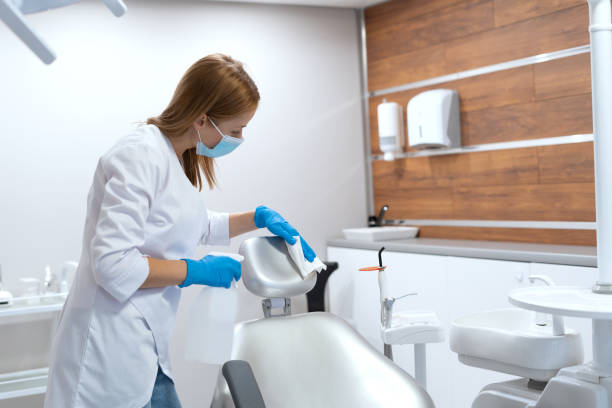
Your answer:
<point x="391" y="132"/>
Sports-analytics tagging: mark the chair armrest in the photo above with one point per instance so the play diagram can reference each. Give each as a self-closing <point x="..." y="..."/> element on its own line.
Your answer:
<point x="242" y="384"/>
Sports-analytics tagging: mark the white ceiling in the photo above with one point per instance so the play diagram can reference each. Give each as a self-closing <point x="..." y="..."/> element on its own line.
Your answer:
<point x="328" y="3"/>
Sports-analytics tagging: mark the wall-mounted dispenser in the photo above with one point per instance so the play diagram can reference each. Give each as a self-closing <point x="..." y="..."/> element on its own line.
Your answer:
<point x="433" y="119"/>
<point x="391" y="129"/>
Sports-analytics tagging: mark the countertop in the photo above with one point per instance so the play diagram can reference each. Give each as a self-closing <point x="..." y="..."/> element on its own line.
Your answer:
<point x="507" y="251"/>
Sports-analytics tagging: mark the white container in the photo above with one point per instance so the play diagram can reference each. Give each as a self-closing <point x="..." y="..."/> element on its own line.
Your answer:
<point x="391" y="129"/>
<point x="5" y="295"/>
<point x="210" y="331"/>
<point x="5" y="298"/>
<point x="212" y="316"/>
<point x="31" y="290"/>
<point x="380" y="233"/>
<point x="433" y="119"/>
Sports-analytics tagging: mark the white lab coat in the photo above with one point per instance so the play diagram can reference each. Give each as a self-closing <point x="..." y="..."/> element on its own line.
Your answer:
<point x="112" y="335"/>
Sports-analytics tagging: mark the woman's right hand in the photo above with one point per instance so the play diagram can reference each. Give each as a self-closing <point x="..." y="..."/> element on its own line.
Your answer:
<point x="212" y="270"/>
<point x="276" y="224"/>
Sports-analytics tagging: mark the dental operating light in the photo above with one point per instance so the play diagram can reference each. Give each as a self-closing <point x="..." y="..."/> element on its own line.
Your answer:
<point x="12" y="14"/>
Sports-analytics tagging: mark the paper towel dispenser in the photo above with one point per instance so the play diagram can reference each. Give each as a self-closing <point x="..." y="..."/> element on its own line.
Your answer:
<point x="433" y="119"/>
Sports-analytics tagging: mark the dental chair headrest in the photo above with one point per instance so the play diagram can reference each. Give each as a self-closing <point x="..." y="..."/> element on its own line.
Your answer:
<point x="269" y="272"/>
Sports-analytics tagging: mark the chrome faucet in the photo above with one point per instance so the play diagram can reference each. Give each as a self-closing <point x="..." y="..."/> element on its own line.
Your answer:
<point x="381" y="215"/>
<point x="540" y="320"/>
<point x="541" y="278"/>
<point x="387" y="309"/>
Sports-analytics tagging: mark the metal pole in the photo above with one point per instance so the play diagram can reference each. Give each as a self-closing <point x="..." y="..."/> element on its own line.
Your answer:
<point x="420" y="365"/>
<point x="602" y="352"/>
<point x="601" y="83"/>
<point x="365" y="109"/>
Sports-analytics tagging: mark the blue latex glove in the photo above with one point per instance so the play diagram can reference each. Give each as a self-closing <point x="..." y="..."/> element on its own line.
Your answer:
<point x="268" y="218"/>
<point x="212" y="270"/>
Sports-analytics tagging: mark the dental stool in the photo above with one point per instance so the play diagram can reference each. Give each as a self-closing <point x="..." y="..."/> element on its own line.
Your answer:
<point x="307" y="360"/>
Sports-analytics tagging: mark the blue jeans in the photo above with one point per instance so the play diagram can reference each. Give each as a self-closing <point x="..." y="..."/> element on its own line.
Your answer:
<point x="164" y="393"/>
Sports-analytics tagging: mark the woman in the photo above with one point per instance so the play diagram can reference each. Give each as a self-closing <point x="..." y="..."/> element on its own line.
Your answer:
<point x="145" y="217"/>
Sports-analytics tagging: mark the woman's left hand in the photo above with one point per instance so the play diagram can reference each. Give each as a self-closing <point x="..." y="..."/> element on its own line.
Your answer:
<point x="268" y="218"/>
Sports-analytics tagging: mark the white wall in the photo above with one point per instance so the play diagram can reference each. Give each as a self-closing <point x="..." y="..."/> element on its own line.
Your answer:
<point x="304" y="150"/>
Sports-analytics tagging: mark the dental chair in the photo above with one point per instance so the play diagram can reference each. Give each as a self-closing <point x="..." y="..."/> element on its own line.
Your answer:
<point x="311" y="359"/>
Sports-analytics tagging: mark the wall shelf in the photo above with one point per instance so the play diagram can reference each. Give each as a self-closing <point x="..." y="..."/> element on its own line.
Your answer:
<point x="521" y="62"/>
<point x="34" y="304"/>
<point x="23" y="383"/>
<point x="518" y="144"/>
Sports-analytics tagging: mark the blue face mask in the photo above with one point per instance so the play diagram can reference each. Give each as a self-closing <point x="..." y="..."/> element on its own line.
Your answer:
<point x="226" y="145"/>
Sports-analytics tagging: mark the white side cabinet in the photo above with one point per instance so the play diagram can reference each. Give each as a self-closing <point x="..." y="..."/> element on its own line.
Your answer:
<point x="26" y="326"/>
<point x="450" y="286"/>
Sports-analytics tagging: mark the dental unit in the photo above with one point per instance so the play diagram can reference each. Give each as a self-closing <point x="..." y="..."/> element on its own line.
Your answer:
<point x="406" y="327"/>
<point x="550" y="359"/>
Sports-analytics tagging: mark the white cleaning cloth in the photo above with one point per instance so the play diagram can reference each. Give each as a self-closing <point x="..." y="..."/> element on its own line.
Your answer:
<point x="305" y="267"/>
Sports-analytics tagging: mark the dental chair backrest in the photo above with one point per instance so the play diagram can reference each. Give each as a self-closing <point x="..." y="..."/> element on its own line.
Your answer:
<point x="269" y="272"/>
<point x="311" y="359"/>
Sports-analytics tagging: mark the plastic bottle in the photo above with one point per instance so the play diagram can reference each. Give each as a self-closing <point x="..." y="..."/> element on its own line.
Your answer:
<point x="212" y="316"/>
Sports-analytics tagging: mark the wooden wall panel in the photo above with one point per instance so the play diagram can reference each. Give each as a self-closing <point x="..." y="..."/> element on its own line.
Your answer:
<point x="398" y="12"/>
<point x="413" y="40"/>
<point x="547" y="183"/>
<point x="416" y="203"/>
<point x="513" y="11"/>
<point x="415" y="65"/>
<point x="471" y="33"/>
<point x="552" y="32"/>
<point x="493" y="90"/>
<point x="550" y="118"/>
<point x="541" y="202"/>
<point x="570" y="163"/>
<point x="543" y="100"/>
<point x="529" y="235"/>
<point x="514" y="166"/>
<point x="564" y="77"/>
<point x="531" y="202"/>
<point x="464" y="18"/>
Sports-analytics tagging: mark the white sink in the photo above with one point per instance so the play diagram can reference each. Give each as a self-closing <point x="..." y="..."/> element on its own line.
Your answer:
<point x="380" y="233"/>
<point x="509" y="341"/>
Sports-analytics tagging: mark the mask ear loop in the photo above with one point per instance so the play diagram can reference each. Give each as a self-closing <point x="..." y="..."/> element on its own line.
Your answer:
<point x="231" y="139"/>
<point x="218" y="130"/>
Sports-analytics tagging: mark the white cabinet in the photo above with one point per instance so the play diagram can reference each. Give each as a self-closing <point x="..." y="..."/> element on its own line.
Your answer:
<point x="26" y="326"/>
<point x="450" y="286"/>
